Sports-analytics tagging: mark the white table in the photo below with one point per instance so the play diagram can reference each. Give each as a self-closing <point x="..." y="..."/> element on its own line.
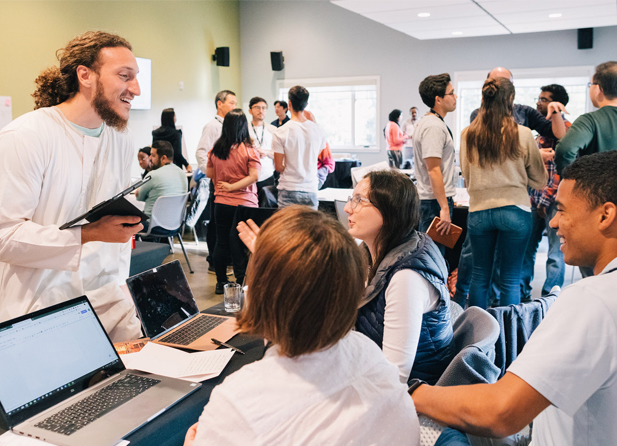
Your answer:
<point x="331" y="193"/>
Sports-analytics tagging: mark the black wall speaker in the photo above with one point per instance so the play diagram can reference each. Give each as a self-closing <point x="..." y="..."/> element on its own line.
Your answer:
<point x="221" y="56"/>
<point x="277" y="60"/>
<point x="585" y="38"/>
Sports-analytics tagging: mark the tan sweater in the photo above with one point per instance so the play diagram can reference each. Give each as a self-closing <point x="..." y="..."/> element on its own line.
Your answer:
<point x="504" y="184"/>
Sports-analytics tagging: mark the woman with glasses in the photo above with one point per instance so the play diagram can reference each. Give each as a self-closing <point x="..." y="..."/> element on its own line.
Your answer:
<point x="319" y="382"/>
<point x="499" y="160"/>
<point x="233" y="165"/>
<point x="405" y="309"/>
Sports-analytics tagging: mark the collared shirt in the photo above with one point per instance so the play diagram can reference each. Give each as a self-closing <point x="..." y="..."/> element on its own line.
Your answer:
<point x="276" y="124"/>
<point x="211" y="132"/>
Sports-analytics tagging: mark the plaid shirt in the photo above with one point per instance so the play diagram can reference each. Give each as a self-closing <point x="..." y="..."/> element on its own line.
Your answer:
<point x="546" y="196"/>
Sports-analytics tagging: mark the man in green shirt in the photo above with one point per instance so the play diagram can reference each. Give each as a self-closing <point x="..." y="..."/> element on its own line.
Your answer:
<point x="596" y="131"/>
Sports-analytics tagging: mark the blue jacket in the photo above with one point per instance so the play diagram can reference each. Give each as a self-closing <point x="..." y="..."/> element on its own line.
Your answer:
<point x="435" y="349"/>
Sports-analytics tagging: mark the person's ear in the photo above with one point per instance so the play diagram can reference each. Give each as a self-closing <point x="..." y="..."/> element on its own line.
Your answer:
<point x="86" y="77"/>
<point x="608" y="216"/>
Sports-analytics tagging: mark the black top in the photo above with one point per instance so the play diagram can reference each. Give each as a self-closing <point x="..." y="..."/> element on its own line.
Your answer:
<point x="174" y="137"/>
<point x="275" y="123"/>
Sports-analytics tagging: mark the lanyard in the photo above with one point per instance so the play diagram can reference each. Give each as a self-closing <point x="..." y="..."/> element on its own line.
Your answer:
<point x="263" y="132"/>
<point x="439" y="116"/>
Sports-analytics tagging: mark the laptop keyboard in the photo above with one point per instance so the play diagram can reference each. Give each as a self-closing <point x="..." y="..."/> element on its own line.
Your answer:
<point x="84" y="412"/>
<point x="193" y="330"/>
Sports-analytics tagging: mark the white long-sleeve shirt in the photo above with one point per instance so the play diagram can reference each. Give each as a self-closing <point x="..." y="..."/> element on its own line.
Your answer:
<point x="49" y="174"/>
<point x="211" y="132"/>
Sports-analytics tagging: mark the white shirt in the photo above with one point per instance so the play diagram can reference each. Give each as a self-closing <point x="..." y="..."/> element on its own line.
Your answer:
<point x="211" y="132"/>
<point x="262" y="141"/>
<point x="301" y="143"/>
<point x="408" y="128"/>
<point x="49" y="174"/>
<point x="347" y="394"/>
<point x="571" y="359"/>
<point x="408" y="297"/>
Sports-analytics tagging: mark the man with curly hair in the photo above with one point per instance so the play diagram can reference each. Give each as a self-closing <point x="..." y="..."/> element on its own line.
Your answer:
<point x="56" y="163"/>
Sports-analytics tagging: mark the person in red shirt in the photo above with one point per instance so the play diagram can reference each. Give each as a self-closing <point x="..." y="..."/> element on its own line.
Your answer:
<point x="395" y="138"/>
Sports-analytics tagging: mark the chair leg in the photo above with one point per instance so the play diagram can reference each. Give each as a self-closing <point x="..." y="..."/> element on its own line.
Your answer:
<point x="195" y="236"/>
<point x="185" y="256"/>
<point x="171" y="244"/>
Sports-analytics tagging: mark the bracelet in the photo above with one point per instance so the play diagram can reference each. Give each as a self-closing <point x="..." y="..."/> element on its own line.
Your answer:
<point x="414" y="384"/>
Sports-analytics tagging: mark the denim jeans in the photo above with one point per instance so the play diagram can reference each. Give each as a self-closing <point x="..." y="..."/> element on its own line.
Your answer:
<point x="289" y="197"/>
<point x="452" y="437"/>
<point x="506" y="229"/>
<point x="555" y="266"/>
<point x="429" y="209"/>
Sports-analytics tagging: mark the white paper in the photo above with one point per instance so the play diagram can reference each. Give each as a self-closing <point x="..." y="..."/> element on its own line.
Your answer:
<point x="169" y="361"/>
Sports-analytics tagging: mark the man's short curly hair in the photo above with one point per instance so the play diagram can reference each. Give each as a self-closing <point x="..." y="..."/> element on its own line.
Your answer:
<point x="57" y="84"/>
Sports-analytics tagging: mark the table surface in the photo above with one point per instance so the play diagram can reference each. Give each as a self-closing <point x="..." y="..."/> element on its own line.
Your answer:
<point x="332" y="193"/>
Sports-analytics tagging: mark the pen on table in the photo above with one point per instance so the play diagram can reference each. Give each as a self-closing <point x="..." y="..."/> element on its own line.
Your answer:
<point x="225" y="344"/>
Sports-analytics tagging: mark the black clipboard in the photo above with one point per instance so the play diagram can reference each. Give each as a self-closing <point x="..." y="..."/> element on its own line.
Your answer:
<point x="116" y="205"/>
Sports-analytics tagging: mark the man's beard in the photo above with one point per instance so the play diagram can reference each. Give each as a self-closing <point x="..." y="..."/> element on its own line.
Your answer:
<point x="103" y="108"/>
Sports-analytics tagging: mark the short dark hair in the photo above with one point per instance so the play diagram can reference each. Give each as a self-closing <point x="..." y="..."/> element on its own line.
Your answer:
<point x="167" y="118"/>
<point x="222" y="96"/>
<point x="256" y="100"/>
<point x="305" y="282"/>
<point x="396" y="198"/>
<point x="606" y="78"/>
<point x="282" y="104"/>
<point x="394" y="115"/>
<point x="164" y="148"/>
<point x="594" y="177"/>
<point x="558" y="93"/>
<point x="145" y="150"/>
<point x="433" y="86"/>
<point x="298" y="97"/>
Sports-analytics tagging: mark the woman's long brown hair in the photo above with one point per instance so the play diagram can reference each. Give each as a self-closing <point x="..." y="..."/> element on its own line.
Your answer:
<point x="493" y="135"/>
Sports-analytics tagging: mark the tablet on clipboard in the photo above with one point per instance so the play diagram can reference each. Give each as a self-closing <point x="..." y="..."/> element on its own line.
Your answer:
<point x="117" y="205"/>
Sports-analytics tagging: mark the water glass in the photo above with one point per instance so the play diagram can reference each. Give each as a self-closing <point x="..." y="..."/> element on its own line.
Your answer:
<point x="233" y="297"/>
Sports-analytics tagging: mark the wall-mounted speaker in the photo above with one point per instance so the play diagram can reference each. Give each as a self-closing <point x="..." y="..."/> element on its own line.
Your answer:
<point x="277" y="60"/>
<point x="221" y="56"/>
<point x="585" y="38"/>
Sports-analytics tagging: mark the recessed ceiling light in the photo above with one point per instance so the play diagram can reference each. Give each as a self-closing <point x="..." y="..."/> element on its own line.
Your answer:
<point x="424" y="14"/>
<point x="457" y="33"/>
<point x="554" y="16"/>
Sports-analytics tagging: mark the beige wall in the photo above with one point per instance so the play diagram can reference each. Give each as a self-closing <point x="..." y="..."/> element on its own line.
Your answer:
<point x="179" y="37"/>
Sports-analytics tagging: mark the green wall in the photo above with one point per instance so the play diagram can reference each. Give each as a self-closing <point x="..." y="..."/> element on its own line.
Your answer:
<point x="179" y="37"/>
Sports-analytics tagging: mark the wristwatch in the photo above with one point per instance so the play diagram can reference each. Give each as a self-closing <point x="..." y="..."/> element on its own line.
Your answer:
<point x="414" y="384"/>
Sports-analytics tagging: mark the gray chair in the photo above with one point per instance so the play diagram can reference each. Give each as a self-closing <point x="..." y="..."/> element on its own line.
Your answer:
<point x="167" y="220"/>
<point x="342" y="216"/>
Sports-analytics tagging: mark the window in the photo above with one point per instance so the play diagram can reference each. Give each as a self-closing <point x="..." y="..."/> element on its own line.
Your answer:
<point x="527" y="82"/>
<point x="346" y="108"/>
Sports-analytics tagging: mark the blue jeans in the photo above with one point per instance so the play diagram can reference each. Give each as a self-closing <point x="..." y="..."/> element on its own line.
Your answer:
<point x="506" y="229"/>
<point x="452" y="437"/>
<point x="429" y="209"/>
<point x="289" y="197"/>
<point x="555" y="266"/>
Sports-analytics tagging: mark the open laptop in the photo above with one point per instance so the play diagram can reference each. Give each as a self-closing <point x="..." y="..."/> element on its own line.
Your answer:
<point x="169" y="314"/>
<point x="62" y="381"/>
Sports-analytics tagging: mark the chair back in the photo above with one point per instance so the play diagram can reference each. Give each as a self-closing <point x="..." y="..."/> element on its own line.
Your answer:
<point x="357" y="173"/>
<point x="342" y="216"/>
<point x="168" y="211"/>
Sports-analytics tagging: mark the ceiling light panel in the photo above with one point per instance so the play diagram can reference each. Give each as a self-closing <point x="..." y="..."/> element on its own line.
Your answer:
<point x="455" y="12"/>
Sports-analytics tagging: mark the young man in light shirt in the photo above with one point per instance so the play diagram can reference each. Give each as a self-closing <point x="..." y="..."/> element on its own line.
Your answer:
<point x="566" y="376"/>
<point x="261" y="134"/>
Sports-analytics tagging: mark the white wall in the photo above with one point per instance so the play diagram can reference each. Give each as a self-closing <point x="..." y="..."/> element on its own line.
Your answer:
<point x="319" y="39"/>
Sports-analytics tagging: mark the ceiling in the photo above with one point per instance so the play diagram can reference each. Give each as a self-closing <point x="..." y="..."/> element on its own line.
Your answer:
<point x="469" y="18"/>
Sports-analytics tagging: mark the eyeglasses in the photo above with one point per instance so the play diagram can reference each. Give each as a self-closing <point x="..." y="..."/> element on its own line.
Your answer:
<point x="543" y="100"/>
<point x="256" y="107"/>
<point x="450" y="94"/>
<point x="589" y="84"/>
<point x="354" y="201"/>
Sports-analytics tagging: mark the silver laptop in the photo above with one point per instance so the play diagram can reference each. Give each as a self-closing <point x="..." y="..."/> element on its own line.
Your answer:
<point x="62" y="381"/>
<point x="169" y="313"/>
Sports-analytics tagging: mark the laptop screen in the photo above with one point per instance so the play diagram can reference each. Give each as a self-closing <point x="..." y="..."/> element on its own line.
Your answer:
<point x="50" y="355"/>
<point x="163" y="298"/>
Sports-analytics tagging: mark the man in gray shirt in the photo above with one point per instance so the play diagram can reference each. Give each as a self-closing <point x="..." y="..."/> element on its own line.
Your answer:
<point x="434" y="155"/>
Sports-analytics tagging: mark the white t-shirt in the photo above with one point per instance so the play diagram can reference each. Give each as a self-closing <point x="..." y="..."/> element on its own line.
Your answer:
<point x="571" y="359"/>
<point x="211" y="132"/>
<point x="301" y="143"/>
<point x="262" y="142"/>
<point x="431" y="139"/>
<point x="408" y="127"/>
<point x="347" y="394"/>
<point x="408" y="297"/>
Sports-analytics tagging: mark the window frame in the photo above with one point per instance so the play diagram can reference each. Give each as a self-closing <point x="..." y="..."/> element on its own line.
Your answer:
<point x="282" y="84"/>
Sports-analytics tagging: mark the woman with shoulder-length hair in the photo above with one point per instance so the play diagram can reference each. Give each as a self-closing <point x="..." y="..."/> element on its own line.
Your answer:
<point x="499" y="160"/>
<point x="233" y="165"/>
<point x="406" y="306"/>
<point x="395" y="139"/>
<point x="319" y="382"/>
<point x="168" y="132"/>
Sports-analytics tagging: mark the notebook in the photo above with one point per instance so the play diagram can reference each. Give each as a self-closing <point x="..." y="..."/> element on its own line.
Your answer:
<point x="169" y="314"/>
<point x="61" y="380"/>
<point x="448" y="240"/>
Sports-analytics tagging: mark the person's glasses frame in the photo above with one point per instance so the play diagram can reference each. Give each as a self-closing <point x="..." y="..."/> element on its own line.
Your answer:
<point x="589" y="84"/>
<point x="543" y="100"/>
<point x="354" y="200"/>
